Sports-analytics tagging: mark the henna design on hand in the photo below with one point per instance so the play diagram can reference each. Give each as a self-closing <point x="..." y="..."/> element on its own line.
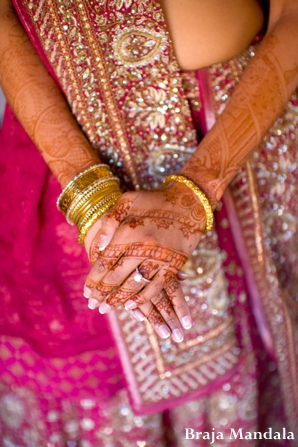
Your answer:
<point x="168" y="274"/>
<point x="188" y="200"/>
<point x="163" y="304"/>
<point x="171" y="288"/>
<point x="158" y="253"/>
<point x="171" y="194"/>
<point x="134" y="222"/>
<point x="166" y="219"/>
<point x="120" y="210"/>
<point x="154" y="317"/>
<point x="148" y="267"/>
<point x="120" y="297"/>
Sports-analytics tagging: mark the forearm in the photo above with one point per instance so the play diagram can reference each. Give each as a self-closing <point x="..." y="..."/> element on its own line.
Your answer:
<point x="258" y="100"/>
<point x="38" y="103"/>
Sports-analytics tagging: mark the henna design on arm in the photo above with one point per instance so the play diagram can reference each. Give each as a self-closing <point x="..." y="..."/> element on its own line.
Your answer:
<point x="258" y="100"/>
<point x="38" y="103"/>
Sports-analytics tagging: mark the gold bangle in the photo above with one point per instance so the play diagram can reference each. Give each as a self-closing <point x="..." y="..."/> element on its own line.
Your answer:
<point x="200" y="195"/>
<point x="94" y="202"/>
<point x="86" y="227"/>
<point x="95" y="192"/>
<point x="81" y="182"/>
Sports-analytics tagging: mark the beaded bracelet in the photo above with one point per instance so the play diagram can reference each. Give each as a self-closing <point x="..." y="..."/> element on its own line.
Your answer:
<point x="200" y="195"/>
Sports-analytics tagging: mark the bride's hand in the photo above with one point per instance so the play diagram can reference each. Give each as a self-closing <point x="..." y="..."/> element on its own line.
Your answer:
<point x="150" y="236"/>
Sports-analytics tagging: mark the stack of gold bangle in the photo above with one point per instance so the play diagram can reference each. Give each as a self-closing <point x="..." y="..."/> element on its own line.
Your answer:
<point x="88" y="196"/>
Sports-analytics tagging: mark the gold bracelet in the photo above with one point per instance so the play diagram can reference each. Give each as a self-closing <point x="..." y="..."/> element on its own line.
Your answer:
<point x="200" y="195"/>
<point x="100" y="188"/>
<point x="94" y="202"/>
<point x="81" y="182"/>
<point x="97" y="214"/>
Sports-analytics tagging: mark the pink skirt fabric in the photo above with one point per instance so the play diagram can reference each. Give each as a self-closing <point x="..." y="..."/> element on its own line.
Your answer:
<point x="61" y="381"/>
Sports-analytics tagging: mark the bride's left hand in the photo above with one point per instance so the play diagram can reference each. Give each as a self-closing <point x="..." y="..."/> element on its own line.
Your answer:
<point x="150" y="235"/>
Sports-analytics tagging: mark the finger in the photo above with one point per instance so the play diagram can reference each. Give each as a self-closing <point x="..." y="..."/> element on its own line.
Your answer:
<point x="134" y="283"/>
<point x="100" y="267"/>
<point x="175" y="294"/>
<point x="113" y="279"/>
<point x="165" y="307"/>
<point x="181" y="275"/>
<point x="154" y="288"/>
<point x="137" y="314"/>
<point x="156" y="320"/>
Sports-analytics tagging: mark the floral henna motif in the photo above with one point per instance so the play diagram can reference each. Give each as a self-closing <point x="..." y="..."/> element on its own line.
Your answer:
<point x="120" y="210"/>
<point x="171" y="195"/>
<point x="134" y="222"/>
<point x="165" y="219"/>
<point x="188" y="200"/>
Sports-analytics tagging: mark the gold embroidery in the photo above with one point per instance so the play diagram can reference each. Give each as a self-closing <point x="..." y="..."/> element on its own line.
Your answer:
<point x="113" y="85"/>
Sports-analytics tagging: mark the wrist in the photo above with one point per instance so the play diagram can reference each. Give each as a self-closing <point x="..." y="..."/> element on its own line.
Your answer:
<point x="88" y="196"/>
<point x="200" y="196"/>
<point x="211" y="187"/>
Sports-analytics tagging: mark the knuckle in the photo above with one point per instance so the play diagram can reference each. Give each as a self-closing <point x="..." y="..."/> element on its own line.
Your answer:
<point x="98" y="267"/>
<point x="113" y="277"/>
<point x="173" y="321"/>
<point x="132" y="284"/>
<point x="149" y="239"/>
<point x="180" y="307"/>
<point x="157" y="285"/>
<point x="90" y="283"/>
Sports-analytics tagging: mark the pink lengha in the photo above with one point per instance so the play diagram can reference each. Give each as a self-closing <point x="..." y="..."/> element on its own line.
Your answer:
<point x="64" y="380"/>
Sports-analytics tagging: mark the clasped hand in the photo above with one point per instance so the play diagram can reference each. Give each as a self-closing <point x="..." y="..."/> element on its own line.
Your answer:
<point x="137" y="249"/>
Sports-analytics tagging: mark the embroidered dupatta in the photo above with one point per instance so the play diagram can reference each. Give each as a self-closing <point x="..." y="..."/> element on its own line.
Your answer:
<point x="114" y="62"/>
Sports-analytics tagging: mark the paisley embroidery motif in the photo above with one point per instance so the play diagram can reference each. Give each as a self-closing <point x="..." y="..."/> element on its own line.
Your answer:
<point x="137" y="46"/>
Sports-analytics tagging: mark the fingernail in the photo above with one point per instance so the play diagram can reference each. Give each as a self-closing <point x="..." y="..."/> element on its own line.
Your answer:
<point x="186" y="322"/>
<point x="87" y="292"/>
<point x="138" y="314"/>
<point x="103" y="242"/>
<point x="104" y="308"/>
<point x="129" y="305"/>
<point x="177" y="335"/>
<point x="182" y="274"/>
<point x="93" y="303"/>
<point x="164" y="331"/>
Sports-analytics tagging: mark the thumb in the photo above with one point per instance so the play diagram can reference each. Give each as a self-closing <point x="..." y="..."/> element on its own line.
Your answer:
<point x="112" y="219"/>
<point x="102" y="231"/>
